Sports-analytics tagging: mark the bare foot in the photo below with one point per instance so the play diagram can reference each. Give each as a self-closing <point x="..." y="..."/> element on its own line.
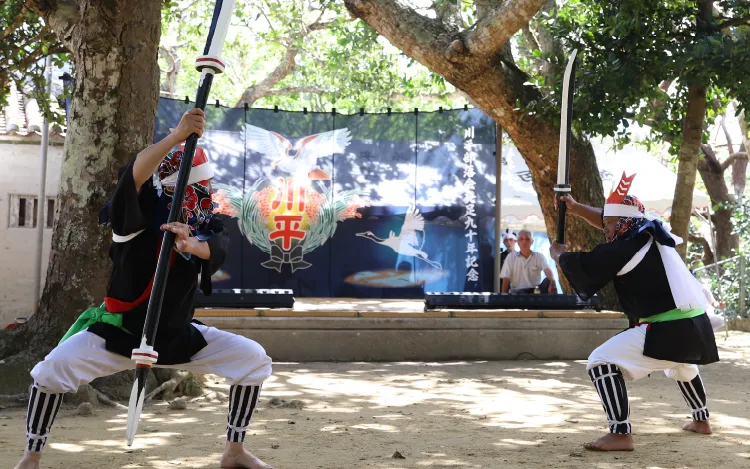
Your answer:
<point x="236" y="456"/>
<point x="695" y="426"/>
<point x="612" y="442"/>
<point x="29" y="461"/>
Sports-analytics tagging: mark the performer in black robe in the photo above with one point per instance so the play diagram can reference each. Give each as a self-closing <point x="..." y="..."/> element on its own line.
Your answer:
<point x="670" y="330"/>
<point x="101" y="341"/>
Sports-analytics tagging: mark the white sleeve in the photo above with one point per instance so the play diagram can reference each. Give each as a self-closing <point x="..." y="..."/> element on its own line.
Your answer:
<point x="543" y="261"/>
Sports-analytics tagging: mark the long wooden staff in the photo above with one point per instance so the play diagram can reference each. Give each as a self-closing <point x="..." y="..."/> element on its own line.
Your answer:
<point x="145" y="356"/>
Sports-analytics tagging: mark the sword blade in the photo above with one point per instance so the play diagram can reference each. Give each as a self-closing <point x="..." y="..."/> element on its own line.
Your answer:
<point x="563" y="154"/>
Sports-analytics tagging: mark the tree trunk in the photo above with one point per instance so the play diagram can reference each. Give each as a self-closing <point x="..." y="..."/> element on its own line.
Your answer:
<point x="497" y="87"/>
<point x="114" y="47"/>
<point x="692" y="133"/>
<point x="712" y="173"/>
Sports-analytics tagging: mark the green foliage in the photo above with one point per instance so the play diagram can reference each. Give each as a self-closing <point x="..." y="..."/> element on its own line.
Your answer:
<point x="25" y="40"/>
<point x="628" y="48"/>
<point x="338" y="61"/>
<point x="727" y="287"/>
<point x="725" y="280"/>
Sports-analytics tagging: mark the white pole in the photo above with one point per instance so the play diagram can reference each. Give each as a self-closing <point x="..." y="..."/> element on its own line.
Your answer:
<point x="41" y="205"/>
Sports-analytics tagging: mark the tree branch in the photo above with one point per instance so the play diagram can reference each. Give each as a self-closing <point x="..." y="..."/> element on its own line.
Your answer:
<point x="294" y="90"/>
<point x="726" y="132"/>
<point x="458" y="94"/>
<point x="317" y="26"/>
<point x="61" y="16"/>
<point x="14" y="24"/>
<point x="499" y="25"/>
<point x="530" y="38"/>
<point x="449" y="14"/>
<point x="255" y="92"/>
<point x="709" y="158"/>
<point x="740" y="155"/>
<point x="744" y="20"/>
<point x="422" y="38"/>
<point x="708" y="254"/>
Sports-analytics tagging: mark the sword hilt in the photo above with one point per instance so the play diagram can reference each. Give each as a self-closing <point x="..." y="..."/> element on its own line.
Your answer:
<point x="562" y="209"/>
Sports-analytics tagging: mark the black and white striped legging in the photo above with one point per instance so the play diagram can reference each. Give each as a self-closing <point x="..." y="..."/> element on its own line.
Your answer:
<point x="695" y="396"/>
<point x="242" y="402"/>
<point x="43" y="408"/>
<point x="40" y="415"/>
<point x="610" y="385"/>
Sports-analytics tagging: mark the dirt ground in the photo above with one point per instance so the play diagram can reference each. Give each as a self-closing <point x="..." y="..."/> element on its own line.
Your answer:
<point x="526" y="414"/>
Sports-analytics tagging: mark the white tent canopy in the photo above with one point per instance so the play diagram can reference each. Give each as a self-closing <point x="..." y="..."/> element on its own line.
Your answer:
<point x="654" y="184"/>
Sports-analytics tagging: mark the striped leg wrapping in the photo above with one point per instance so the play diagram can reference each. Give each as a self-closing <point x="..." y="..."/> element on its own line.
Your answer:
<point x="40" y="415"/>
<point x="610" y="386"/>
<point x="242" y="402"/>
<point x="695" y="396"/>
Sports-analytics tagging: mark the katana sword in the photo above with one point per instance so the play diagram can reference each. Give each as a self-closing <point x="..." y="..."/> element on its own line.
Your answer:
<point x="145" y="356"/>
<point x="563" y="156"/>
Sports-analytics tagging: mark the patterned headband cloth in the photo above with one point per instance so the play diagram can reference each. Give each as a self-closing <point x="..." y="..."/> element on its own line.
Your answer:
<point x="628" y="224"/>
<point x="197" y="206"/>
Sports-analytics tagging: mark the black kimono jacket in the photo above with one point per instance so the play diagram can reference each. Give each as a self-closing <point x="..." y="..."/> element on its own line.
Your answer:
<point x="133" y="270"/>
<point x="643" y="292"/>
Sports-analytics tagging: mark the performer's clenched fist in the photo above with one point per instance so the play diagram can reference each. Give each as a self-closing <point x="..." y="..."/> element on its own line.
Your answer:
<point x="192" y="122"/>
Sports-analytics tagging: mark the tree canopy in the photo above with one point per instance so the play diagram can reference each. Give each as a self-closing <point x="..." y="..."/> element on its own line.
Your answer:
<point x="639" y="57"/>
<point x="297" y="54"/>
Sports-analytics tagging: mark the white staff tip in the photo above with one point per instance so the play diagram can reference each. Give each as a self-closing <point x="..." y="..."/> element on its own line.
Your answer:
<point x="134" y="412"/>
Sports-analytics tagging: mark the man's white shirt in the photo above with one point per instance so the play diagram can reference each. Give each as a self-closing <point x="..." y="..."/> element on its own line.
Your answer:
<point x="524" y="272"/>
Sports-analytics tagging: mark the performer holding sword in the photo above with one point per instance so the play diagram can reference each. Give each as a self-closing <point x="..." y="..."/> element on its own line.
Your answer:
<point x="671" y="331"/>
<point x="161" y="216"/>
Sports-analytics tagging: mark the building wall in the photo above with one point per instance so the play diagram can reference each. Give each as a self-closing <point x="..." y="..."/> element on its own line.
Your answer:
<point x="19" y="174"/>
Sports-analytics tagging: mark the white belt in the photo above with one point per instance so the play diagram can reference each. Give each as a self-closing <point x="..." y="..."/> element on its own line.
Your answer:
<point x="124" y="239"/>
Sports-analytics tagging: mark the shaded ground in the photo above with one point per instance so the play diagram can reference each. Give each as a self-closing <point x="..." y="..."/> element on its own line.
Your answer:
<point x="524" y="414"/>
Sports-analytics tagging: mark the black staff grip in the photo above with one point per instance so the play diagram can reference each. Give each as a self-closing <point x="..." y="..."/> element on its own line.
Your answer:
<point x="153" y="310"/>
<point x="561" y="211"/>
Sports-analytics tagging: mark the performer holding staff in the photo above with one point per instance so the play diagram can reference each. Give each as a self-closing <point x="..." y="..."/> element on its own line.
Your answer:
<point x="161" y="215"/>
<point x="671" y="331"/>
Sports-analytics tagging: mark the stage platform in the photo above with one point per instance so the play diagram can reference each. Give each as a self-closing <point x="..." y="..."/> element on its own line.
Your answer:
<point x="340" y="329"/>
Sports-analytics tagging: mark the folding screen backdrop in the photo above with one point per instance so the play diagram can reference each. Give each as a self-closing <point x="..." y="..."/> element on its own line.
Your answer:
<point x="372" y="205"/>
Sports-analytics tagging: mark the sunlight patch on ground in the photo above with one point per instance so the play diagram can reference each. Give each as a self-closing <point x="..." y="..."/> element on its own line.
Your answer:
<point x="67" y="447"/>
<point x="376" y="426"/>
<point x="338" y="410"/>
<point x="155" y="439"/>
<point x="392" y="417"/>
<point x="193" y="462"/>
<point x="723" y="419"/>
<point x="445" y="463"/>
<point x="523" y="442"/>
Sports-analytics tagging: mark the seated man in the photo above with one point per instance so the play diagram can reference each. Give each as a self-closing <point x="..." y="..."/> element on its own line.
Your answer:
<point x="522" y="270"/>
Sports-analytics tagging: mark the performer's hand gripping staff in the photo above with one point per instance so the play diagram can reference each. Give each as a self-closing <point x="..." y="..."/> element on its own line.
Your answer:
<point x="145" y="356"/>
<point x="563" y="159"/>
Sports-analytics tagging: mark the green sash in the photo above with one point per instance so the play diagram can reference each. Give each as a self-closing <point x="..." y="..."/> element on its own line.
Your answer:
<point x="92" y="316"/>
<point x="673" y="315"/>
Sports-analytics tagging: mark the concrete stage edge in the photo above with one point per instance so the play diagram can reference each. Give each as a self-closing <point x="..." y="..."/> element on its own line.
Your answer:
<point x="399" y="330"/>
